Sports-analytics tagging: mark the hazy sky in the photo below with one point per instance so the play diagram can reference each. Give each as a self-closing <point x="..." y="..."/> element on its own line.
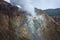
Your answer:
<point x="46" y="4"/>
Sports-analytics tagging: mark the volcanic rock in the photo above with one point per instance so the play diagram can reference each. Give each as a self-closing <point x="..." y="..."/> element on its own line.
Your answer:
<point x="13" y="24"/>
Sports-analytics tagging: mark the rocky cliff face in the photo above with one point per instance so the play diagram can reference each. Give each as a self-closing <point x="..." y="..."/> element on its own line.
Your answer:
<point x="56" y="18"/>
<point x="10" y="20"/>
<point x="13" y="25"/>
<point x="50" y="31"/>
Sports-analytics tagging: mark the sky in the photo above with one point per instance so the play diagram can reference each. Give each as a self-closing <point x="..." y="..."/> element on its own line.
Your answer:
<point x="45" y="4"/>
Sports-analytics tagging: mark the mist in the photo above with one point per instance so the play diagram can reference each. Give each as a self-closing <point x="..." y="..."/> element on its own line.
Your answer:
<point x="25" y="5"/>
<point x="45" y="4"/>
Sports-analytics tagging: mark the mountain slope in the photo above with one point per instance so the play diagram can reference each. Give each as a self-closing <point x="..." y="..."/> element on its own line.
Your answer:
<point x="13" y="24"/>
<point x="53" y="12"/>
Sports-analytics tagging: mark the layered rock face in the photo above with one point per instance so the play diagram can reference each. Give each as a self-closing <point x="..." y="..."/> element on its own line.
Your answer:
<point x="13" y="25"/>
<point x="51" y="29"/>
<point x="10" y="22"/>
<point x="56" y="18"/>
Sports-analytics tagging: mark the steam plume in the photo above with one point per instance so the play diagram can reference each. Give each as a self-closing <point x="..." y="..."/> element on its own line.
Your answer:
<point x="29" y="8"/>
<point x="26" y="5"/>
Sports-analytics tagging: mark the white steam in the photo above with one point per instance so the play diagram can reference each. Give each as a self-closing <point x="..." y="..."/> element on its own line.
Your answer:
<point x="32" y="22"/>
<point x="26" y="6"/>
